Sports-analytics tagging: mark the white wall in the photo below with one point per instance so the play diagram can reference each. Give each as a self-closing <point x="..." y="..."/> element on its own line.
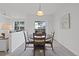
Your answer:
<point x="68" y="37"/>
<point x="30" y="23"/>
<point x="30" y="19"/>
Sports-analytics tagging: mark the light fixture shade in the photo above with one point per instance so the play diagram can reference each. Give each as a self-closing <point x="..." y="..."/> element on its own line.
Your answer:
<point x="40" y="13"/>
<point x="6" y="26"/>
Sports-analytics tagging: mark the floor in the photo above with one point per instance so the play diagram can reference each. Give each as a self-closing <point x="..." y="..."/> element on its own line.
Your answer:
<point x="59" y="50"/>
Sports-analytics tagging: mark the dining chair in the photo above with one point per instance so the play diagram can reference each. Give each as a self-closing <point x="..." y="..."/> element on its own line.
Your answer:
<point x="39" y="41"/>
<point x="27" y="39"/>
<point x="50" y="40"/>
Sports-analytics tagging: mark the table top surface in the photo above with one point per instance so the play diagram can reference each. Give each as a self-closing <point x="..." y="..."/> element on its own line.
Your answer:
<point x="48" y="36"/>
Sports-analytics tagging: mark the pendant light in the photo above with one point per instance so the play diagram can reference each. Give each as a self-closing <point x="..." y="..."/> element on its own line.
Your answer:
<point x="40" y="12"/>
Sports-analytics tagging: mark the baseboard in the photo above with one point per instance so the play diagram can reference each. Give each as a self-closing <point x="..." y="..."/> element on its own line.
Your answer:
<point x="66" y="47"/>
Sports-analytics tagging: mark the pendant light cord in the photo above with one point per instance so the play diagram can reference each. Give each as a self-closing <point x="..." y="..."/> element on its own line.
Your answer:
<point x="39" y="6"/>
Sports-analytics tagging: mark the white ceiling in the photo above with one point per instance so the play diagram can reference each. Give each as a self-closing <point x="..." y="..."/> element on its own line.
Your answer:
<point x="26" y="9"/>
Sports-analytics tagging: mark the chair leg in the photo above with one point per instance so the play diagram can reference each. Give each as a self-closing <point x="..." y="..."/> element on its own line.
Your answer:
<point x="25" y="47"/>
<point x="44" y="49"/>
<point x="52" y="46"/>
<point x="34" y="52"/>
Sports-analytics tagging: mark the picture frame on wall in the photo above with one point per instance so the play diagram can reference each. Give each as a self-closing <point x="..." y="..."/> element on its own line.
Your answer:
<point x="65" y="21"/>
<point x="19" y="25"/>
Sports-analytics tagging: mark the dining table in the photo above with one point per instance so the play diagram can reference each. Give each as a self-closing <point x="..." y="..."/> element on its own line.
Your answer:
<point x="39" y="42"/>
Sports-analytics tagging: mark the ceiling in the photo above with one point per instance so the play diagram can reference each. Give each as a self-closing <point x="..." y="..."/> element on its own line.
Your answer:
<point x="28" y="9"/>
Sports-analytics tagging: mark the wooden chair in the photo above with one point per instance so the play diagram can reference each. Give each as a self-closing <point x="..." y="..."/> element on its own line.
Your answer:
<point x="50" y="40"/>
<point x="39" y="41"/>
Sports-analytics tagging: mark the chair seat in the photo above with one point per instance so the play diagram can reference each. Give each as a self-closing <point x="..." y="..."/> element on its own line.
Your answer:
<point x="30" y="42"/>
<point x="48" y="40"/>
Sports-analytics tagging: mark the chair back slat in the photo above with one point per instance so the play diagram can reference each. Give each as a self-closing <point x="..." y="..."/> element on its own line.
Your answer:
<point x="26" y="36"/>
